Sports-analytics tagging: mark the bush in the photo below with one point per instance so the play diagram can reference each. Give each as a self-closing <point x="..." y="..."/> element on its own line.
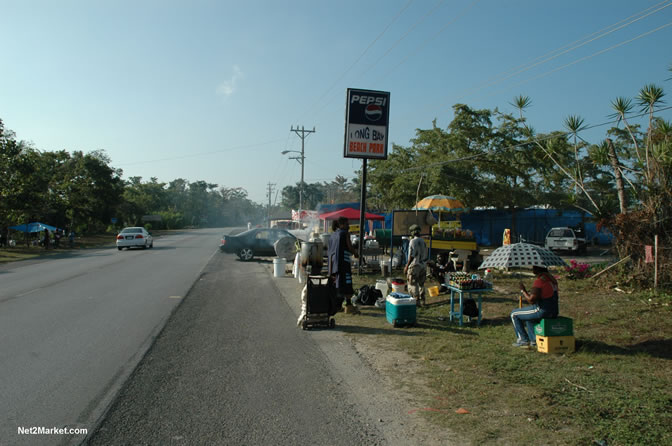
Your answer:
<point x="148" y="227"/>
<point x="577" y="270"/>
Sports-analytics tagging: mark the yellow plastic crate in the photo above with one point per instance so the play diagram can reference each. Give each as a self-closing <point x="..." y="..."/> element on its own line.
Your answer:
<point x="556" y="344"/>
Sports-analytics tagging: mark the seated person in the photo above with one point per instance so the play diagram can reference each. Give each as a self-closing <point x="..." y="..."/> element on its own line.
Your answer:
<point x="440" y="267"/>
<point x="544" y="300"/>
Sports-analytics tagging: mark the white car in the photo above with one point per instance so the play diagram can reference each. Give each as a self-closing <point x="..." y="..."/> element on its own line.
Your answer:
<point x="135" y="236"/>
<point x="564" y="238"/>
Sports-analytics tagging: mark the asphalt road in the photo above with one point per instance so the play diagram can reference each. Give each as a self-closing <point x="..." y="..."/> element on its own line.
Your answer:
<point x="231" y="367"/>
<point x="73" y="328"/>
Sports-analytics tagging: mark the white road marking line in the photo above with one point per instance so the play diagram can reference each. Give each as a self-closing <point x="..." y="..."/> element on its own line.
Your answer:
<point x="174" y="297"/>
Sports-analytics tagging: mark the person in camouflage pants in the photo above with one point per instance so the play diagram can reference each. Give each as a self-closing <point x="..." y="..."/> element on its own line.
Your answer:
<point x="416" y="268"/>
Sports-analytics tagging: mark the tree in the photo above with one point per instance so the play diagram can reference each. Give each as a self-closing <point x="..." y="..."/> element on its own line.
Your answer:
<point x="313" y="194"/>
<point x="340" y="190"/>
<point x="649" y="97"/>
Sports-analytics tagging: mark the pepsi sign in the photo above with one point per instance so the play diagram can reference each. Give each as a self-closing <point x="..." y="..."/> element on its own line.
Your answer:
<point x="366" y="124"/>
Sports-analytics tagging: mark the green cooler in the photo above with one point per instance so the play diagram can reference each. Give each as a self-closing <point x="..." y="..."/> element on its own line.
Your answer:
<point x="400" y="309"/>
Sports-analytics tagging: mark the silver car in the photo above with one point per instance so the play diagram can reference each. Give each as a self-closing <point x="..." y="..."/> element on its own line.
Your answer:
<point x="134" y="236"/>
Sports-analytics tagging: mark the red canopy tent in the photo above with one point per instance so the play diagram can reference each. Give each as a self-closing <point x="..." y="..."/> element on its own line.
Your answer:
<point x="350" y="214"/>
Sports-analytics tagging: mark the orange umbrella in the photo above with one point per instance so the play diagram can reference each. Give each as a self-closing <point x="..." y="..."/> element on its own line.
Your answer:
<point x="441" y="203"/>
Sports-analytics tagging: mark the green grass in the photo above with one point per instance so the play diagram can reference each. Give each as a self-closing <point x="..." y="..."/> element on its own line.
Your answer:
<point x="23" y="252"/>
<point x="617" y="386"/>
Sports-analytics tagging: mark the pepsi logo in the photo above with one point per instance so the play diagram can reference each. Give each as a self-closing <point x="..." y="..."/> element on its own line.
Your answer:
<point x="373" y="112"/>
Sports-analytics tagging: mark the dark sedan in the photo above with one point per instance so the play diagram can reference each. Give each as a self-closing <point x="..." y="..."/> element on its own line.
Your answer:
<point x="255" y="242"/>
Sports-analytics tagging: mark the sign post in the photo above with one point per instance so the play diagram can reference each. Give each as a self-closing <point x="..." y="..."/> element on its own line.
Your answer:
<point x="367" y="117"/>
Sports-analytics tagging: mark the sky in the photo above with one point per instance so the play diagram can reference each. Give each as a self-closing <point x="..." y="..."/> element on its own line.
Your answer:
<point x="210" y="90"/>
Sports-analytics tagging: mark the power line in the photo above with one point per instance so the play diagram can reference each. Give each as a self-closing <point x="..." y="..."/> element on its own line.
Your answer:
<point x="422" y="45"/>
<point x="585" y="58"/>
<point x="396" y="17"/>
<point x="564" y="50"/>
<point x="406" y="34"/>
<point x="577" y="43"/>
<point x="389" y="50"/>
<point x="193" y="155"/>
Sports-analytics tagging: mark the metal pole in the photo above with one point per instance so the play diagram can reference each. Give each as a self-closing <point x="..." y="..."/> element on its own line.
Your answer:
<point x="302" y="134"/>
<point x="362" y="213"/>
<point x="302" y="163"/>
<point x="655" y="261"/>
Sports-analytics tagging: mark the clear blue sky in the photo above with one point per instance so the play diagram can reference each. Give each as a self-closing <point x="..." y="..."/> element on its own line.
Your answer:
<point x="208" y="90"/>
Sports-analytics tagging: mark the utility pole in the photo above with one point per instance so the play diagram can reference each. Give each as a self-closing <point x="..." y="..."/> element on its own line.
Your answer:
<point x="302" y="134"/>
<point x="269" y="193"/>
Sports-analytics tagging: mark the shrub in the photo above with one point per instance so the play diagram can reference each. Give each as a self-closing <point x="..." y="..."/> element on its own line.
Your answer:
<point x="577" y="270"/>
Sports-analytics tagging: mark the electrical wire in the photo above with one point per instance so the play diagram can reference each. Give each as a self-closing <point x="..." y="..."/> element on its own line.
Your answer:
<point x="582" y="59"/>
<point x="406" y="34"/>
<point x="426" y="41"/>
<point x="193" y="155"/>
<point x="574" y="45"/>
<point x="340" y="78"/>
<point x="388" y="51"/>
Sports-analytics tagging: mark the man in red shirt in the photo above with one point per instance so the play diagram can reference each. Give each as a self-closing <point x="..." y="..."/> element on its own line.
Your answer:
<point x="544" y="300"/>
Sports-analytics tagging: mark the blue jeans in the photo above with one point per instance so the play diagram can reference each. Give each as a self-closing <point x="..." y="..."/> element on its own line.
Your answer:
<point x="527" y="317"/>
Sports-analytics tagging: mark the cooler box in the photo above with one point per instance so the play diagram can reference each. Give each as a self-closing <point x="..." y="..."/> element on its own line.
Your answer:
<point x="556" y="344"/>
<point x="400" y="309"/>
<point x="560" y="326"/>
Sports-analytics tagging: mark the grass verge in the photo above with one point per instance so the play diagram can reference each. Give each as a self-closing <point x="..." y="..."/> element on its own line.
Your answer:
<point x="616" y="388"/>
<point x="23" y="252"/>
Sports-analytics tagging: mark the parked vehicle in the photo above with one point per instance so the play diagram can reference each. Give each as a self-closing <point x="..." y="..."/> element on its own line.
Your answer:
<point x="565" y="239"/>
<point x="255" y="242"/>
<point x="134" y="237"/>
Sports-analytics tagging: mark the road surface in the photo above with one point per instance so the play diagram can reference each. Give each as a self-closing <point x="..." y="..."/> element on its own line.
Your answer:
<point x="73" y="328"/>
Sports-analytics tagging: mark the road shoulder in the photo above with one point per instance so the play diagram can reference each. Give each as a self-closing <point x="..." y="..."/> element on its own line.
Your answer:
<point x="365" y="368"/>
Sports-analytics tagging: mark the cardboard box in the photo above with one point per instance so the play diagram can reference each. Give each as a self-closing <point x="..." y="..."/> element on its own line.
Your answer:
<point x="560" y="326"/>
<point x="556" y="344"/>
<point x="400" y="309"/>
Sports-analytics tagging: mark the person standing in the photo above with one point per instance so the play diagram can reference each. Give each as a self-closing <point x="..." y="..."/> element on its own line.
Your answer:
<point x="416" y="267"/>
<point x="46" y="238"/>
<point x="339" y="255"/>
<point x="544" y="300"/>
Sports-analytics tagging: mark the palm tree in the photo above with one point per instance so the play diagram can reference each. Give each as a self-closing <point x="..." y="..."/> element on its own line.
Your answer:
<point x="649" y="97"/>
<point x="574" y="124"/>
<point x="618" y="174"/>
<point x="662" y="130"/>
<point x="623" y="106"/>
<point x="521" y="103"/>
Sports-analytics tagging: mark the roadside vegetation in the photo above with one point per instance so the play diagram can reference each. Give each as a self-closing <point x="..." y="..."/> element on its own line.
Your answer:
<point x="84" y="192"/>
<point x="615" y="389"/>
<point x="23" y="252"/>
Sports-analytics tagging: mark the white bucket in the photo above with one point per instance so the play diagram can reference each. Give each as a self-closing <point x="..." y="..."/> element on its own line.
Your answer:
<point x="398" y="287"/>
<point x="279" y="266"/>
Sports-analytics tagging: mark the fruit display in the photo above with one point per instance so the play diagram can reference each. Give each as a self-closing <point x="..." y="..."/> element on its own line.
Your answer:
<point x="465" y="281"/>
